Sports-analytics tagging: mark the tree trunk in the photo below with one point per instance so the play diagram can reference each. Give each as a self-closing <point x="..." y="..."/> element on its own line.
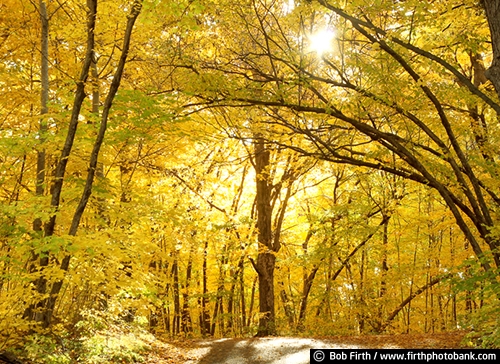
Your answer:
<point x="265" y="267"/>
<point x="384" y="268"/>
<point x="242" y="293"/>
<point x="166" y="313"/>
<point x="218" y="310"/>
<point x="252" y="300"/>
<point x="187" y="326"/>
<point x="266" y="259"/>
<point x="40" y="283"/>
<point x="44" y="99"/>
<point x="308" y="281"/>
<point x="286" y="306"/>
<point x="219" y="303"/>
<point x="493" y="16"/>
<point x="205" y="313"/>
<point x="361" y="291"/>
<point x="176" y="326"/>
<point x="231" y="305"/>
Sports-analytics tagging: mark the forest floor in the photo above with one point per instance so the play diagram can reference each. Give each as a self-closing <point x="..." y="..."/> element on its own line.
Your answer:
<point x="290" y="350"/>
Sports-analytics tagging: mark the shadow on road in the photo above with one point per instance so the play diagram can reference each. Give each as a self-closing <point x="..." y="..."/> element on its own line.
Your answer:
<point x="290" y="350"/>
<point x="271" y="350"/>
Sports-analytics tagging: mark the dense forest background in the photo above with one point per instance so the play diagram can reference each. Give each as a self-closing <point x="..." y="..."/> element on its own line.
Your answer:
<point x="217" y="168"/>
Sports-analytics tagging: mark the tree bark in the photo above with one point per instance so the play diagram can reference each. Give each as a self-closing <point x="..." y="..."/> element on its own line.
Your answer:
<point x="242" y="293"/>
<point x="266" y="263"/>
<point x="40" y="284"/>
<point x="205" y="313"/>
<point x="187" y="326"/>
<point x="231" y="304"/>
<point x="492" y="8"/>
<point x="44" y="99"/>
<point x="286" y="306"/>
<point x="266" y="259"/>
<point x="252" y="300"/>
<point x="308" y="282"/>
<point x="219" y="307"/>
<point x="176" y="325"/>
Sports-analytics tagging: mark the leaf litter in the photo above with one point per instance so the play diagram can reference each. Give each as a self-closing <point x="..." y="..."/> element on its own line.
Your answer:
<point x="289" y="350"/>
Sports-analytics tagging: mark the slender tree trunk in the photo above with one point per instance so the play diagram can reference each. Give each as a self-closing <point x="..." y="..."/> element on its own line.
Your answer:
<point x="230" y="309"/>
<point x="218" y="310"/>
<point x="231" y="306"/>
<point x="103" y="299"/>
<point x="95" y="110"/>
<point x="252" y="301"/>
<point x="44" y="99"/>
<point x="412" y="283"/>
<point x="307" y="284"/>
<point x="219" y="303"/>
<point x="41" y="282"/>
<point x="242" y="293"/>
<point x="362" y="299"/>
<point x="166" y="313"/>
<point x="324" y="306"/>
<point x="95" y="88"/>
<point x="384" y="269"/>
<point x="442" y="313"/>
<point x="286" y="306"/>
<point x="187" y="326"/>
<point x="176" y="326"/>
<point x="205" y="313"/>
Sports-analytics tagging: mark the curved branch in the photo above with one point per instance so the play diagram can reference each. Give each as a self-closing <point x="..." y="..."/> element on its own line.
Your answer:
<point x="464" y="80"/>
<point x="408" y="299"/>
<point x="384" y="220"/>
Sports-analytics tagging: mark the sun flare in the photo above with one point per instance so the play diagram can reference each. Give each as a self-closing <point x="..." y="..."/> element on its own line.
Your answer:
<point x="321" y="42"/>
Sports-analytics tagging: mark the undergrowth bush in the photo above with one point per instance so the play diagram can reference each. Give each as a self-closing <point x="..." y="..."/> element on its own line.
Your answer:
<point x="485" y="327"/>
<point x="483" y="292"/>
<point x="95" y="339"/>
<point x="46" y="349"/>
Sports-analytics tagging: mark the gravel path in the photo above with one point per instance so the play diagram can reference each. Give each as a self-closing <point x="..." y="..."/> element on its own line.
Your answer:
<point x="289" y="350"/>
<point x="280" y="350"/>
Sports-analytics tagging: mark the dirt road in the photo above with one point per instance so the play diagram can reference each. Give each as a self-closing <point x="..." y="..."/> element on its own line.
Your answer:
<point x="289" y="350"/>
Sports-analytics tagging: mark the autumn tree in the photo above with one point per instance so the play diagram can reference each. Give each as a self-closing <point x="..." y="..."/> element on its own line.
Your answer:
<point x="386" y="94"/>
<point x="432" y="129"/>
<point x="229" y="145"/>
<point x="48" y="246"/>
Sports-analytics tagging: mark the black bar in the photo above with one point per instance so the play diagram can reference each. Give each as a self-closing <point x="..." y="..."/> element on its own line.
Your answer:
<point x="328" y="356"/>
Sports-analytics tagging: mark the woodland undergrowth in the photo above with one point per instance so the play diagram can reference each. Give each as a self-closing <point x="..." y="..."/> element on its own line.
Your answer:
<point x="99" y="337"/>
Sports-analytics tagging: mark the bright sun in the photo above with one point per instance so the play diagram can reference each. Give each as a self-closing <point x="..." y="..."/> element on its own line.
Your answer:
<point x="321" y="42"/>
